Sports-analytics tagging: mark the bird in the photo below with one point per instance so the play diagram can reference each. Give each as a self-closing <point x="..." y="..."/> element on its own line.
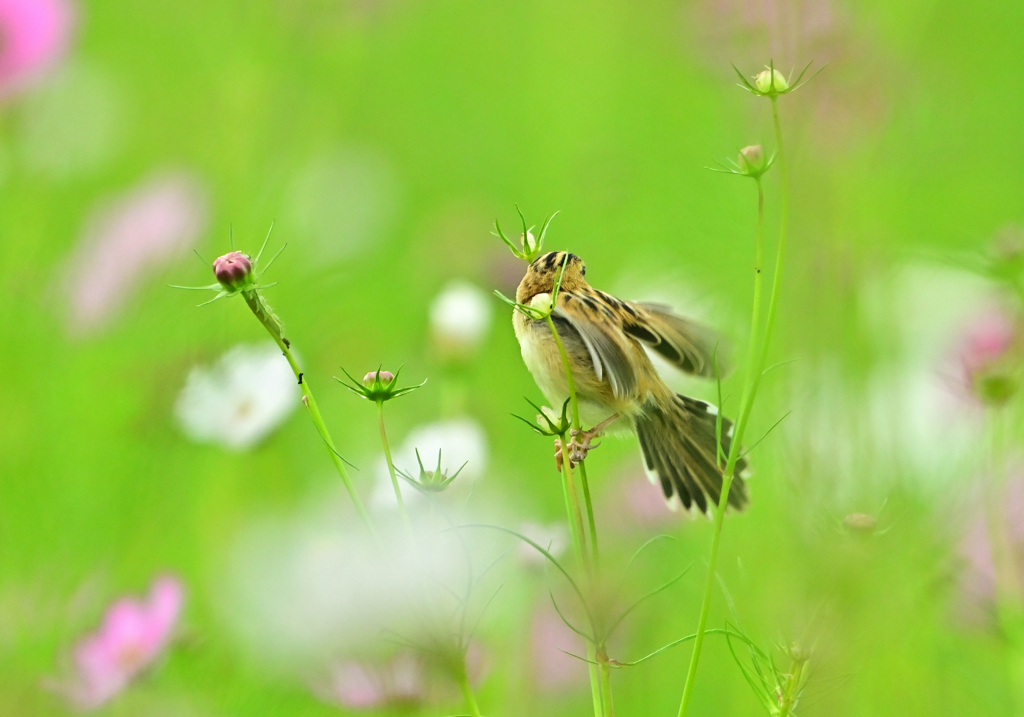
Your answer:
<point x="617" y="386"/>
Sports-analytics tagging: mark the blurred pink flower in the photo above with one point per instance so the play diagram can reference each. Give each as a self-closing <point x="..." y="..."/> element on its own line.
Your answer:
<point x="132" y="636"/>
<point x="33" y="35"/>
<point x="157" y="220"/>
<point x="986" y="356"/>
<point x="637" y="506"/>
<point x="986" y="344"/>
<point x="359" y="685"/>
<point x="551" y="668"/>
<point x="980" y="576"/>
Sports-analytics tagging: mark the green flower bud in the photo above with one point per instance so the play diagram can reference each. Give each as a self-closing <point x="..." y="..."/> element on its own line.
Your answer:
<point x="771" y="82"/>
<point x="751" y="160"/>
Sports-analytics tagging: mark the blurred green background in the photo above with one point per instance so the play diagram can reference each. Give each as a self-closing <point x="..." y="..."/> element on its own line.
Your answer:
<point x="383" y="138"/>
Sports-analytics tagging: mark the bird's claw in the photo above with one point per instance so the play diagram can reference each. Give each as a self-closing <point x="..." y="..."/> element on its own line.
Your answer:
<point x="580" y="445"/>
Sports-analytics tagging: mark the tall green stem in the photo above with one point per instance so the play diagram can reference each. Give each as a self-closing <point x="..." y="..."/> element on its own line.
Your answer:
<point x="600" y="688"/>
<point x="467" y="692"/>
<point x="391" y="466"/>
<point x="756" y="364"/>
<point x="262" y="311"/>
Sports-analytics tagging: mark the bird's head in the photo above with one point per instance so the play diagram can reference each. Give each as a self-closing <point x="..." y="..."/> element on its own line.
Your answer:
<point x="542" y="274"/>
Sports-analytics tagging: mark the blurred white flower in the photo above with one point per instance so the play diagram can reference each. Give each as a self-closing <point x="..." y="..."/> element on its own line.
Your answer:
<point x="460" y="441"/>
<point x="460" y="317"/>
<point x="126" y="239"/>
<point x="908" y="417"/>
<point x="302" y="588"/>
<point x="239" y="400"/>
<point x="553" y="537"/>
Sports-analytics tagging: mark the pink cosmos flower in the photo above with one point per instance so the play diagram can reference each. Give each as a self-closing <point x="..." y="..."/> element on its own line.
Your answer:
<point x="34" y="34"/>
<point x="159" y="219"/>
<point x="359" y="685"/>
<point x="133" y="634"/>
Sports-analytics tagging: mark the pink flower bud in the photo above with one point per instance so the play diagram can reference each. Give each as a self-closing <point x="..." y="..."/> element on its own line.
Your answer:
<point x="233" y="270"/>
<point x="386" y="377"/>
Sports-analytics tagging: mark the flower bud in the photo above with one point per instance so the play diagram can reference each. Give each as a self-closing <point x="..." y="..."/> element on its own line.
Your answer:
<point x="529" y="242"/>
<point x="233" y="270"/>
<point x="385" y="377"/>
<point x="751" y="159"/>
<point x="860" y="523"/>
<point x="771" y="82"/>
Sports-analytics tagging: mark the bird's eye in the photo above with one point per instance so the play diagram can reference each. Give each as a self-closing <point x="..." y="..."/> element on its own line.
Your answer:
<point x="583" y="270"/>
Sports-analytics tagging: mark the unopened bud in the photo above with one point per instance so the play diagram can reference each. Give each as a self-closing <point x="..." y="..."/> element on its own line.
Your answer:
<point x="771" y="82"/>
<point x="385" y="377"/>
<point x="751" y="159"/>
<point x="529" y="242"/>
<point x="860" y="523"/>
<point x="233" y="270"/>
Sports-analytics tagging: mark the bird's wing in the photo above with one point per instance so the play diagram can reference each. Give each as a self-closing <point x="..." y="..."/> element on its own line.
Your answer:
<point x="688" y="345"/>
<point x="601" y="334"/>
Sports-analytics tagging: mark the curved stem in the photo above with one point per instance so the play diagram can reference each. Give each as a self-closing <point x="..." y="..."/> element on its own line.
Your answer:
<point x="391" y="465"/>
<point x="262" y="311"/>
<point x="752" y="382"/>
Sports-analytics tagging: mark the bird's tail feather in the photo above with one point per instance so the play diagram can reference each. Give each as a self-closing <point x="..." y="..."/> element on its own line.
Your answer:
<point x="678" y="440"/>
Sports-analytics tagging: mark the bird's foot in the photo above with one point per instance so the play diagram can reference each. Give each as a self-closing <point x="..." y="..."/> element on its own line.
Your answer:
<point x="580" y="444"/>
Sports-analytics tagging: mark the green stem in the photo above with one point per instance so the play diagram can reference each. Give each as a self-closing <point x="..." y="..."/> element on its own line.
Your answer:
<point x="600" y="690"/>
<point x="590" y="517"/>
<point x="574" y="404"/>
<point x="391" y="466"/>
<point x="262" y="311"/>
<point x="467" y="692"/>
<point x="606" y="688"/>
<point x="752" y="382"/>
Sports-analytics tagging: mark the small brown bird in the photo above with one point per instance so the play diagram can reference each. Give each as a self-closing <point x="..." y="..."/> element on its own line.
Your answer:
<point x="617" y="386"/>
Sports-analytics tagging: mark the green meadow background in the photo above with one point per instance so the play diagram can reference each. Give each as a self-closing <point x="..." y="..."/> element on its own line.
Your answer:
<point x="442" y="116"/>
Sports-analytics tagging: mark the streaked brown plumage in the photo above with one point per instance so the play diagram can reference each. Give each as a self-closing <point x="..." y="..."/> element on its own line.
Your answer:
<point x="604" y="339"/>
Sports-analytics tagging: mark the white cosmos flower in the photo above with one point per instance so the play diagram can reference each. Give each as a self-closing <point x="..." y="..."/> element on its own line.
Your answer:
<point x="305" y="585"/>
<point x="460" y="441"/>
<point x="460" y="317"/>
<point x="240" y="399"/>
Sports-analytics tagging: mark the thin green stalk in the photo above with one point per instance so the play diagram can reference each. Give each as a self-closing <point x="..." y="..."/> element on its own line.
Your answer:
<point x="595" y="555"/>
<point x="467" y="692"/>
<point x="606" y="688"/>
<point x="262" y="311"/>
<point x="598" y="690"/>
<point x="752" y="382"/>
<point x="391" y="465"/>
<point x="579" y="547"/>
<point x="578" y="425"/>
